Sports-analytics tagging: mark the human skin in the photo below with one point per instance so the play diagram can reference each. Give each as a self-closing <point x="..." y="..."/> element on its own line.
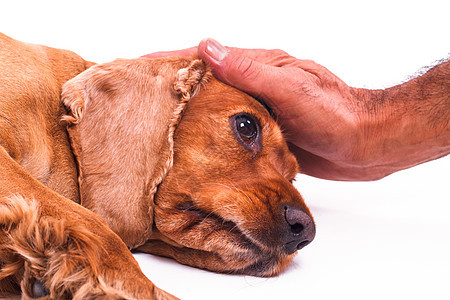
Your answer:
<point x="339" y="132"/>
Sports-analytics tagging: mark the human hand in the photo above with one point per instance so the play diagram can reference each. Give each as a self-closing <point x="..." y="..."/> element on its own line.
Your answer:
<point x="317" y="111"/>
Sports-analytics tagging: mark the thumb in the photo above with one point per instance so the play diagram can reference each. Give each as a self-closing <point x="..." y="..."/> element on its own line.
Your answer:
<point x="236" y="70"/>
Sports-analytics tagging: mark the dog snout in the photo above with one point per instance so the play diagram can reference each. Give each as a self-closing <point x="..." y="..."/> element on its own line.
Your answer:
<point x="299" y="228"/>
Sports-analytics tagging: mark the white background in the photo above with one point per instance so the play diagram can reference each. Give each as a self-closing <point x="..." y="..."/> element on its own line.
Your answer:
<point x="388" y="239"/>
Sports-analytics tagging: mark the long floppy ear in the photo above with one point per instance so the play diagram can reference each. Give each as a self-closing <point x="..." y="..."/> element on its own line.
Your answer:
<point x="122" y="116"/>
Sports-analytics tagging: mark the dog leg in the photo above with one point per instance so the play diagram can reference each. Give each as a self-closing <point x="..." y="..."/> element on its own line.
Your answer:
<point x="54" y="248"/>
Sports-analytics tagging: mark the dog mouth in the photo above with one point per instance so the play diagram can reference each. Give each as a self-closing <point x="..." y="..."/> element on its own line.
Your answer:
<point x="198" y="216"/>
<point x="256" y="258"/>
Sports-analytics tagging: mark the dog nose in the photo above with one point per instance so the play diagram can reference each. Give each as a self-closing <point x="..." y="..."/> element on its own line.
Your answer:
<point x="299" y="228"/>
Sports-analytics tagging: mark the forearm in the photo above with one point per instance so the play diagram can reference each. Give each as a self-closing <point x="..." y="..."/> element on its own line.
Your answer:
<point x="407" y="124"/>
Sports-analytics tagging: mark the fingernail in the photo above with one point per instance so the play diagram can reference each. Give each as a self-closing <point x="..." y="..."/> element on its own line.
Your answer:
<point x="216" y="50"/>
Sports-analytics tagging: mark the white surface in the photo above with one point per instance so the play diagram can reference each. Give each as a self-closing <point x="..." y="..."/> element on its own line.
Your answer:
<point x="388" y="239"/>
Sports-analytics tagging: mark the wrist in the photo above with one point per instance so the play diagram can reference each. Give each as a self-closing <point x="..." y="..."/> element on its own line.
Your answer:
<point x="400" y="128"/>
<point x="375" y="132"/>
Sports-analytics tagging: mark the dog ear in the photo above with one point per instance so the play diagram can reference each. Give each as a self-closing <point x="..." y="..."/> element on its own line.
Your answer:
<point x="190" y="79"/>
<point x="74" y="97"/>
<point x="121" y="121"/>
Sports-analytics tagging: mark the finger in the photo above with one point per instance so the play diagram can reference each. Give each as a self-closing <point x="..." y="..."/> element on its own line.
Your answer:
<point x="271" y="84"/>
<point x="316" y="166"/>
<point x="232" y="68"/>
<point x="184" y="53"/>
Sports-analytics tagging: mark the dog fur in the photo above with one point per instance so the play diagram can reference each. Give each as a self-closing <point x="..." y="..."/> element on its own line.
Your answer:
<point x="136" y="154"/>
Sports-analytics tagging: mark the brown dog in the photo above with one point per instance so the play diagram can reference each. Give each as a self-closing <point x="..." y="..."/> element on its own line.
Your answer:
<point x="161" y="154"/>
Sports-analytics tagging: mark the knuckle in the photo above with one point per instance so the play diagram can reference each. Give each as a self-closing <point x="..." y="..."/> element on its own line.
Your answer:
<point x="280" y="58"/>
<point x="247" y="68"/>
<point x="279" y="52"/>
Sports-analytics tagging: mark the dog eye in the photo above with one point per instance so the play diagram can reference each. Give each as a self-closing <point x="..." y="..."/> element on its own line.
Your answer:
<point x="246" y="129"/>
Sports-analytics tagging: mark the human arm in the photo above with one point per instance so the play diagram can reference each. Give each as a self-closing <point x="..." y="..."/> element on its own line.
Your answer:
<point x="407" y="124"/>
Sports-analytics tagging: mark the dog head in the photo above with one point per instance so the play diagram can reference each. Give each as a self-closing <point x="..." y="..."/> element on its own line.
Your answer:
<point x="182" y="165"/>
